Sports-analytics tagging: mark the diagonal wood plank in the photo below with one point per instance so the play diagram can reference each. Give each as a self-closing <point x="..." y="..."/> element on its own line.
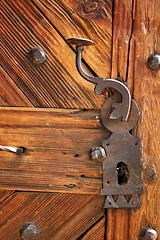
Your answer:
<point x="10" y="93"/>
<point x="88" y="19"/>
<point x="96" y="232"/>
<point x="57" y="146"/>
<point x="54" y="84"/>
<point x="57" y="216"/>
<point x="4" y="195"/>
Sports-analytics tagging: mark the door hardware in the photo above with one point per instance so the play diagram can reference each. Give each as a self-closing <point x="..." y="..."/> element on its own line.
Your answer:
<point x="120" y="152"/>
<point x="148" y="233"/>
<point x="29" y="231"/>
<point x="36" y="56"/>
<point x="153" y="62"/>
<point x="17" y="150"/>
<point x="98" y="153"/>
<point x="121" y="109"/>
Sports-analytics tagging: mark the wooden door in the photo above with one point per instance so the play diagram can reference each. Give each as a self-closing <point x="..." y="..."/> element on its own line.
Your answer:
<point x="54" y="114"/>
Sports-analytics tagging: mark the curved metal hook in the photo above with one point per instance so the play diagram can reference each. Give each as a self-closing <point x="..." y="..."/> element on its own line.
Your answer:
<point x="122" y="109"/>
<point x="80" y="68"/>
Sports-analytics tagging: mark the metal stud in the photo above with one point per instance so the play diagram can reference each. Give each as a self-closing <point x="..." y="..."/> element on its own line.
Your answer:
<point x="149" y="233"/>
<point x="36" y="55"/>
<point x="29" y="231"/>
<point x="98" y="153"/>
<point x="153" y="62"/>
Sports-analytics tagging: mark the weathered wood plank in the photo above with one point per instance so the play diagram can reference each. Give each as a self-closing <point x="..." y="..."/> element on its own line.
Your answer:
<point x="4" y="195"/>
<point x="57" y="216"/>
<point x="88" y="19"/>
<point x="97" y="231"/>
<point x="10" y="94"/>
<point x="117" y="220"/>
<point x="57" y="82"/>
<point x="117" y="224"/>
<point x="57" y="146"/>
<point x="122" y="31"/>
<point x="144" y="84"/>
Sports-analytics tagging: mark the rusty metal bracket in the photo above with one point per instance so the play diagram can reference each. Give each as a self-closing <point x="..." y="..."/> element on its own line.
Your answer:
<point x="122" y="180"/>
<point x="120" y="153"/>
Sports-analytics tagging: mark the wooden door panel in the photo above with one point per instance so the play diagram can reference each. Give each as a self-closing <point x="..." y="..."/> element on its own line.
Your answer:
<point x="136" y="32"/>
<point x="95" y="232"/>
<point x="10" y="93"/>
<point x="87" y="19"/>
<point x="57" y="216"/>
<point x="56" y="83"/>
<point x="122" y="44"/>
<point x="4" y="194"/>
<point x="57" y="144"/>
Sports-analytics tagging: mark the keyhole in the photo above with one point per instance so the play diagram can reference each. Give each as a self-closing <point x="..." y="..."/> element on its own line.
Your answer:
<point x="123" y="173"/>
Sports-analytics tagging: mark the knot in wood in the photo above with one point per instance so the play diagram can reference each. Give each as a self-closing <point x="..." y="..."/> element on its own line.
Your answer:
<point x="150" y="172"/>
<point x="90" y="7"/>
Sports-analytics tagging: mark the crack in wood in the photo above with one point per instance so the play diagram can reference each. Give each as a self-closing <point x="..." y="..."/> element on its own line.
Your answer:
<point x="89" y="229"/>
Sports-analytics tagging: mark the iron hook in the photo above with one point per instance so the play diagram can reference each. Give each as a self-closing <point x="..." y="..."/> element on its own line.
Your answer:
<point x="122" y="109"/>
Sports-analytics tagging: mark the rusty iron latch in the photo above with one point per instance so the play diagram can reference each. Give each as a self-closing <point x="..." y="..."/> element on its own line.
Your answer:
<point x="120" y="153"/>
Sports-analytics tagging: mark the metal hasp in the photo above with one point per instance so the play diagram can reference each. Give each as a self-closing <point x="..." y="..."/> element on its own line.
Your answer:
<point x="119" y="153"/>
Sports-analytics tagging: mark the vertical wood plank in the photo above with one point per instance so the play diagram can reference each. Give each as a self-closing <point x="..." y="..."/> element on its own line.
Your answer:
<point x="117" y="220"/>
<point x="122" y="32"/>
<point x="117" y="224"/>
<point x="144" y="85"/>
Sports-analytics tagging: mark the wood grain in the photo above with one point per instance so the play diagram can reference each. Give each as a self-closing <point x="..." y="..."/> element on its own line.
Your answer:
<point x="4" y="195"/>
<point x="87" y="19"/>
<point x="10" y="93"/>
<point x="56" y="215"/>
<point x="118" y="220"/>
<point x="97" y="231"/>
<point x="57" y="146"/>
<point x="117" y="224"/>
<point x="144" y="85"/>
<point x="56" y="83"/>
<point x="122" y="32"/>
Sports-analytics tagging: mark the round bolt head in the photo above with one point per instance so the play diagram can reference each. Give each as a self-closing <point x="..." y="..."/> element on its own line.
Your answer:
<point x="153" y="62"/>
<point x="37" y="55"/>
<point x="80" y="41"/>
<point x="29" y="231"/>
<point x="98" y="153"/>
<point x="149" y="233"/>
